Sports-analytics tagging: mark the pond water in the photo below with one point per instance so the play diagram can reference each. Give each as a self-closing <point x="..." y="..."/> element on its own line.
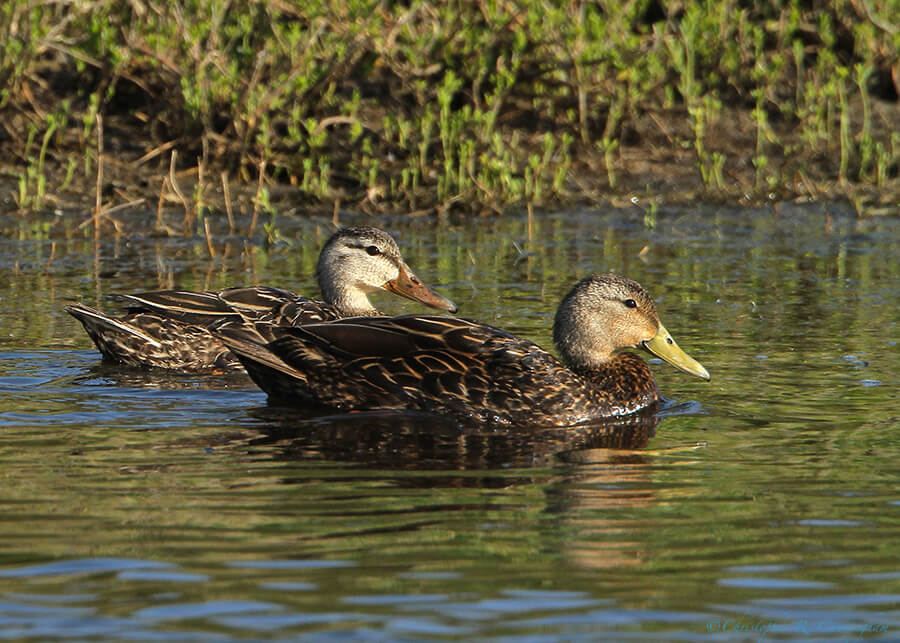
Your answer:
<point x="762" y="505"/>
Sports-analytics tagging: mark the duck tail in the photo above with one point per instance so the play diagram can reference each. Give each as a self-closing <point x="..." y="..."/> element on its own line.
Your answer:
<point x="249" y="342"/>
<point x="100" y="326"/>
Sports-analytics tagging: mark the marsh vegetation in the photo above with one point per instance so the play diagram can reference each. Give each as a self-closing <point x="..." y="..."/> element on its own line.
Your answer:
<point x="429" y="106"/>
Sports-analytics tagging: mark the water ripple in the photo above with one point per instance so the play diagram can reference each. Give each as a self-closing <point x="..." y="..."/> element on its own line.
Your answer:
<point x="82" y="566"/>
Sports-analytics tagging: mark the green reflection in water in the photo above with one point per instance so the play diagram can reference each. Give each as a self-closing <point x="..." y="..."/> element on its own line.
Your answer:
<point x="777" y="480"/>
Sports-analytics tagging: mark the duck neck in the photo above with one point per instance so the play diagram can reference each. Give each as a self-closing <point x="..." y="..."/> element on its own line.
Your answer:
<point x="581" y="350"/>
<point x="351" y="301"/>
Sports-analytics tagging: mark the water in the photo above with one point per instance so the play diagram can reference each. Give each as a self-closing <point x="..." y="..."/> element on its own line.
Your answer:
<point x="760" y="506"/>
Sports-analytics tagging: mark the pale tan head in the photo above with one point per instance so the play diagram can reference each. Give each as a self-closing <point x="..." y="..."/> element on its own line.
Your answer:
<point x="604" y="314"/>
<point x="357" y="261"/>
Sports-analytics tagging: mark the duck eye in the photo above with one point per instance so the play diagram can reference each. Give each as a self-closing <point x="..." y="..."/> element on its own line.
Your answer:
<point x="373" y="250"/>
<point x="630" y="303"/>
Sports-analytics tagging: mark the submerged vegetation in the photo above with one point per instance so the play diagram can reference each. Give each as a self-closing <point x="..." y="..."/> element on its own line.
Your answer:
<point x="421" y="106"/>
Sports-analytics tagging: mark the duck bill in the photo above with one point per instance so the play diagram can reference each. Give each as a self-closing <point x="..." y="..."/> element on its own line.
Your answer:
<point x="408" y="285"/>
<point x="664" y="347"/>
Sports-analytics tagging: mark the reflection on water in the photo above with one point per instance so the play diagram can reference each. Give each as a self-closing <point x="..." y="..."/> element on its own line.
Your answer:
<point x="409" y="441"/>
<point x="759" y="506"/>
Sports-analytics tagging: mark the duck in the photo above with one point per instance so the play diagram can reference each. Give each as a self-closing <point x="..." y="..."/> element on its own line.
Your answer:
<point x="170" y="329"/>
<point x="470" y="371"/>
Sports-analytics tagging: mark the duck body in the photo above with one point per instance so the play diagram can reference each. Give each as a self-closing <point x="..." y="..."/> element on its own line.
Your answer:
<point x="445" y="365"/>
<point x="170" y="329"/>
<point x="473" y="372"/>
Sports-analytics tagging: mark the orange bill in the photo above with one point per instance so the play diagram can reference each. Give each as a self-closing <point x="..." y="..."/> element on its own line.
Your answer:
<point x="408" y="285"/>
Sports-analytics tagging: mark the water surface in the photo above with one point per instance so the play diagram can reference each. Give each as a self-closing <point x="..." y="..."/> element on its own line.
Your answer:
<point x="760" y="506"/>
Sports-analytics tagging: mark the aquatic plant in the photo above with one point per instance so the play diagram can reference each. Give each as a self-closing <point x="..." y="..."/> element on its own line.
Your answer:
<point x="480" y="105"/>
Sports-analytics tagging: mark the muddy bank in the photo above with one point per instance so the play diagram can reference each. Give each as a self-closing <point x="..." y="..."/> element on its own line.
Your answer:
<point x="659" y="167"/>
<point x="428" y="108"/>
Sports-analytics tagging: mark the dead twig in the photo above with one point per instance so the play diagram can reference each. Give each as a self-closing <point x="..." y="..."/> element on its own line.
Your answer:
<point x="159" y="204"/>
<point x="257" y="198"/>
<point x="52" y="255"/>
<point x="226" y="193"/>
<point x="177" y="190"/>
<point x="107" y="215"/>
<point x="209" y="245"/>
<point x="98" y="204"/>
<point x="157" y="151"/>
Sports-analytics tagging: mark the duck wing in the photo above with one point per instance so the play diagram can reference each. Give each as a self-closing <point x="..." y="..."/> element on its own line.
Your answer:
<point x="419" y="362"/>
<point x="256" y="303"/>
<point x="207" y="307"/>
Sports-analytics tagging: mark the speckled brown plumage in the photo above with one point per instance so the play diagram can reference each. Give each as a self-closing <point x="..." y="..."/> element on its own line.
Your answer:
<point x="170" y="329"/>
<point x="464" y="369"/>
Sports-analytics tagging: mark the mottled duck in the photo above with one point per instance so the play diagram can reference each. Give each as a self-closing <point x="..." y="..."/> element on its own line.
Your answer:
<point x="170" y="329"/>
<point x="471" y="371"/>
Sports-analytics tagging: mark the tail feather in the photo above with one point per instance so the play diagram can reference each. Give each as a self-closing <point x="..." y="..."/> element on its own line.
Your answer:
<point x="279" y="380"/>
<point x="250" y="347"/>
<point x="96" y="323"/>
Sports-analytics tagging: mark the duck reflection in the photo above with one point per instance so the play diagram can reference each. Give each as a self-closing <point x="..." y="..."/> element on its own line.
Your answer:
<point x="104" y="374"/>
<point x="588" y="474"/>
<point x="421" y="441"/>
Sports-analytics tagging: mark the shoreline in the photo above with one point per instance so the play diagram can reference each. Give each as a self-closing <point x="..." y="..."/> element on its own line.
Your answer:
<point x="505" y="107"/>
